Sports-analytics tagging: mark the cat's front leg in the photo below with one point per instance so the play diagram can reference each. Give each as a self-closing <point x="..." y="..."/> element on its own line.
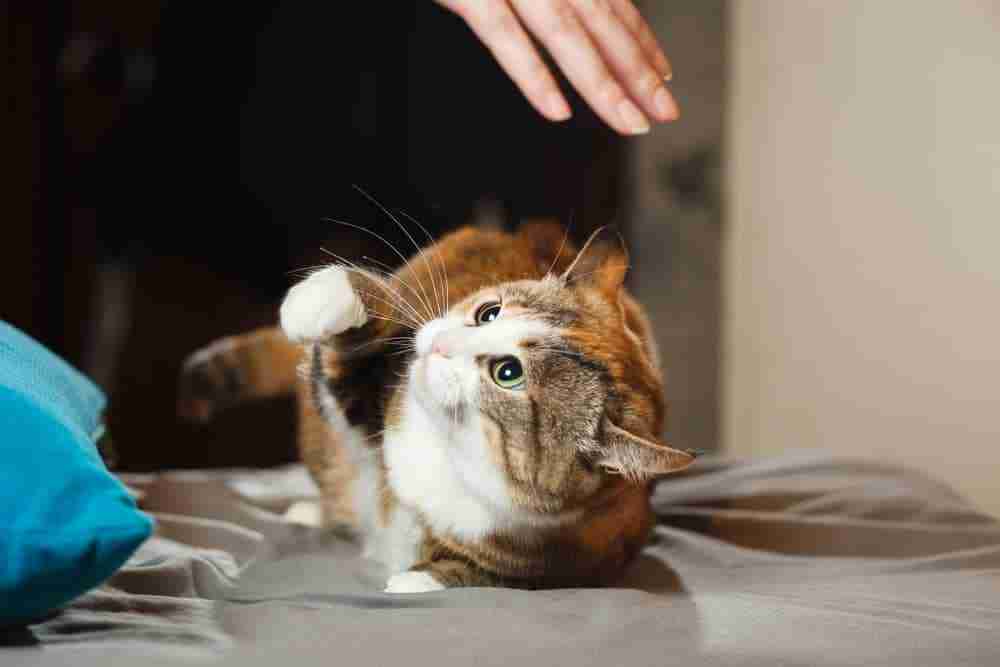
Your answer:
<point x="413" y="581"/>
<point x="321" y="306"/>
<point x="438" y="575"/>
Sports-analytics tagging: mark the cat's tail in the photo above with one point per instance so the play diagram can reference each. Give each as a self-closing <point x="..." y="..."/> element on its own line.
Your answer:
<point x="259" y="364"/>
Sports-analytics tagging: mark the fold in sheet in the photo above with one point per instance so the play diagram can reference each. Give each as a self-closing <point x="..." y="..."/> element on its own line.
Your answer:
<point x="804" y="559"/>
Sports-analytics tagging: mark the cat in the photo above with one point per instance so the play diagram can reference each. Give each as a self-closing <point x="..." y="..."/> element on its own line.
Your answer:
<point x="487" y="415"/>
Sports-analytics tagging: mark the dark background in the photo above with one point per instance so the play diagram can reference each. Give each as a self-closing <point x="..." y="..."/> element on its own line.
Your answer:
<point x="170" y="163"/>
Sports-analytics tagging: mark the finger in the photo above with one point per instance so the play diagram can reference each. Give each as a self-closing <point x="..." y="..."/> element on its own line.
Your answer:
<point x="638" y="26"/>
<point x="499" y="29"/>
<point x="626" y="59"/>
<point x="556" y="24"/>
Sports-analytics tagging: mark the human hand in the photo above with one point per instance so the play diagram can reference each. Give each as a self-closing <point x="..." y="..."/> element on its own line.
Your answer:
<point x="605" y="48"/>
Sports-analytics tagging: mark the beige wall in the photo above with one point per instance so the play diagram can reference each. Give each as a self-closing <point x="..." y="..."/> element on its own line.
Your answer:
<point x="862" y="256"/>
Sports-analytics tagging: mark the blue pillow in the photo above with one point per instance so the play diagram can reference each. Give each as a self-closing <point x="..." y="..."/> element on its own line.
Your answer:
<point x="66" y="524"/>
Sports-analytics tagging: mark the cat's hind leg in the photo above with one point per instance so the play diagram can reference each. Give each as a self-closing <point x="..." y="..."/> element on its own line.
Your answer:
<point x="231" y="370"/>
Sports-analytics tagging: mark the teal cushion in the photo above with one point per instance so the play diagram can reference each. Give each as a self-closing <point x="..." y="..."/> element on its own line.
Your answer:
<point x="66" y="524"/>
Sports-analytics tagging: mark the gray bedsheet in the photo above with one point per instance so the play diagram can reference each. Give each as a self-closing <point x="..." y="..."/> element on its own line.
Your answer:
<point x="803" y="560"/>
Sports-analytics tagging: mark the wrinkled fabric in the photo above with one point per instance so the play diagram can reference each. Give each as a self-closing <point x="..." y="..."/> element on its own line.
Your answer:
<point x="801" y="560"/>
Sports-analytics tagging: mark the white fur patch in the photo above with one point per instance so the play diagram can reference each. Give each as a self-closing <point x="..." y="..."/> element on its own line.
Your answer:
<point x="305" y="513"/>
<point x="412" y="582"/>
<point x="449" y="477"/>
<point x="396" y="545"/>
<point x="500" y="337"/>
<point x="322" y="305"/>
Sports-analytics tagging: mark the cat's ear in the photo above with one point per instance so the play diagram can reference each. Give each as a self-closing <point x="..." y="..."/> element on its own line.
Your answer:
<point x="599" y="264"/>
<point x="548" y="242"/>
<point x="637" y="458"/>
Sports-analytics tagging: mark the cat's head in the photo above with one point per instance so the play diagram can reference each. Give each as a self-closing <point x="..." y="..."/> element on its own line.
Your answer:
<point x="556" y="377"/>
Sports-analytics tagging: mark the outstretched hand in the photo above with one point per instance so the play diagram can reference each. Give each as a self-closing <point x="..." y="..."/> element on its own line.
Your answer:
<point x="604" y="47"/>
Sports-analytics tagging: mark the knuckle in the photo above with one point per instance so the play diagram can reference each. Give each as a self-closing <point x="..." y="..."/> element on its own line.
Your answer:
<point x="499" y="23"/>
<point x="538" y="77"/>
<point x="647" y="80"/>
<point x="608" y="90"/>
<point x="600" y="9"/>
<point x="562" y="21"/>
<point x="646" y="36"/>
<point x="630" y="16"/>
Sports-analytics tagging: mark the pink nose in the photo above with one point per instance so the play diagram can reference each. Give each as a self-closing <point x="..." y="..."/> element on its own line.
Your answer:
<point x="440" y="346"/>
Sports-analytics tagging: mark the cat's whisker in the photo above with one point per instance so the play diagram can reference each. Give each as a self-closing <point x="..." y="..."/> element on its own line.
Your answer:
<point x="583" y="250"/>
<point x="434" y="285"/>
<point x="403" y="319"/>
<point x="437" y="254"/>
<point x="399" y="224"/>
<point x="382" y="284"/>
<point x="573" y="279"/>
<point x="417" y="316"/>
<point x="394" y="340"/>
<point x="562" y="245"/>
<point x="443" y="274"/>
<point x="404" y="308"/>
<point x="394" y="321"/>
<point x="566" y="353"/>
<point x="393" y="304"/>
<point x="306" y="269"/>
<point x="423" y="300"/>
<point x="388" y="272"/>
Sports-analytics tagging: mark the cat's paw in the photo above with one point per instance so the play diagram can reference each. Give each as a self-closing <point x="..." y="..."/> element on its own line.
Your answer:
<point x="412" y="582"/>
<point x="305" y="513"/>
<point x="322" y="305"/>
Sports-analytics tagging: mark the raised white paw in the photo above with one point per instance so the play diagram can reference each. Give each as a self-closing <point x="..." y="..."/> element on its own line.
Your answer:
<point x="322" y="305"/>
<point x="412" y="582"/>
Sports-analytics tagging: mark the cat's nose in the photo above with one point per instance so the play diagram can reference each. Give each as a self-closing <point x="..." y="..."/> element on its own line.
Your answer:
<point x="440" y="346"/>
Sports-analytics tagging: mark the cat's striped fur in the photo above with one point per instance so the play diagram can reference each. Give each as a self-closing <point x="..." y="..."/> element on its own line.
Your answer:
<point x="452" y="478"/>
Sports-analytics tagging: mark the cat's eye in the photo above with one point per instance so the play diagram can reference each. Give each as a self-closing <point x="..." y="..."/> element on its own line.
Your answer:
<point x="487" y="312"/>
<point x="508" y="373"/>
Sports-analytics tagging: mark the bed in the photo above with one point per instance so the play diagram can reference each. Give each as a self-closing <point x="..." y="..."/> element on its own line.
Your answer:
<point x="801" y="560"/>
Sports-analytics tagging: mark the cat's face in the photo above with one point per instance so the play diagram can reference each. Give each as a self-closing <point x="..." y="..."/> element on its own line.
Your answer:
<point x="540" y="374"/>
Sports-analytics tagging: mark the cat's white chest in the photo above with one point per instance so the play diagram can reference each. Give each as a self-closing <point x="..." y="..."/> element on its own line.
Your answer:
<point x="450" y="479"/>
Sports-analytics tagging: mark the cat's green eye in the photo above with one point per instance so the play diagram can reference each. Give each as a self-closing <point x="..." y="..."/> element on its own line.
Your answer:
<point x="487" y="312"/>
<point x="508" y="373"/>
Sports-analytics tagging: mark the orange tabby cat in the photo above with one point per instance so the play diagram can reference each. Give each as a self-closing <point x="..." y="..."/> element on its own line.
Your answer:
<point x="486" y="416"/>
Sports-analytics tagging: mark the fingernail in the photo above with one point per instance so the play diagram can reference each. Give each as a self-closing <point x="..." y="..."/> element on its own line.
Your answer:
<point x="634" y="119"/>
<point x="556" y="107"/>
<point x="664" y="104"/>
<point x="663" y="65"/>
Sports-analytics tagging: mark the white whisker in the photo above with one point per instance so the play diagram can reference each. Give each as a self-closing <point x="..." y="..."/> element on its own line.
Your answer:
<point x="381" y="283"/>
<point x="562" y="245"/>
<point x="388" y="273"/>
<point x="437" y="252"/>
<point x="589" y="273"/>
<point x="583" y="250"/>
<point x="389" y="245"/>
<point x="408" y="235"/>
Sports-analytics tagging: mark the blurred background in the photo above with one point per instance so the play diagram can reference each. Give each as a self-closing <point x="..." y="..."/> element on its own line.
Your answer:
<point x="817" y="239"/>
